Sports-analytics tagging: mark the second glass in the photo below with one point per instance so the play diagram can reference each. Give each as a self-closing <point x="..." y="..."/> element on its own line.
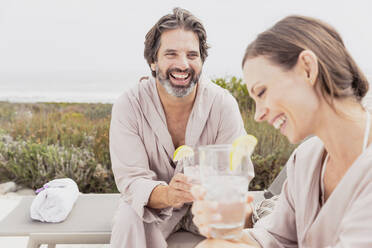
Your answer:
<point x="226" y="186"/>
<point x="191" y="169"/>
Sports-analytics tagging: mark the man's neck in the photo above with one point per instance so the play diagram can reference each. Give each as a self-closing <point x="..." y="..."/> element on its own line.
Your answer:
<point x="176" y="106"/>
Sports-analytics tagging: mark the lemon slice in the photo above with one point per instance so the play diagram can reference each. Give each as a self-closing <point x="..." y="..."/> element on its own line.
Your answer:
<point x="242" y="146"/>
<point x="182" y="151"/>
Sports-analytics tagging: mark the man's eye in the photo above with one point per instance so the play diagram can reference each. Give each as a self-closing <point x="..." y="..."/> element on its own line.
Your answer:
<point x="193" y="56"/>
<point x="261" y="93"/>
<point x="170" y="54"/>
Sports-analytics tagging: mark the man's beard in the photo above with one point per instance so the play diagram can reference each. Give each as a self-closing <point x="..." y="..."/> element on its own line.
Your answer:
<point x="177" y="90"/>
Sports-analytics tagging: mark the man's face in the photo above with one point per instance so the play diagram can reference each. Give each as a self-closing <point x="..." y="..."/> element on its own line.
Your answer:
<point x="178" y="66"/>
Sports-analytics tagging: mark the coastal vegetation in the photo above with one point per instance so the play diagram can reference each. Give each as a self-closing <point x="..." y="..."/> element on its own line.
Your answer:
<point x="43" y="141"/>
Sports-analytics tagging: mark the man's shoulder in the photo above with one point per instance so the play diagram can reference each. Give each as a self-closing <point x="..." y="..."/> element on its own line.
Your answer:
<point x="212" y="88"/>
<point x="213" y="91"/>
<point x="134" y="94"/>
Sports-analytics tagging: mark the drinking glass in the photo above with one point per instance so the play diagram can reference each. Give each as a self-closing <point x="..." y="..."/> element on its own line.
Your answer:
<point x="191" y="169"/>
<point x="226" y="186"/>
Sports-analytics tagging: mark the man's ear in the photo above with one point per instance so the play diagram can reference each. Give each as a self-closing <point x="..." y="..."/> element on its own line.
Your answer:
<point x="153" y="66"/>
<point x="308" y="63"/>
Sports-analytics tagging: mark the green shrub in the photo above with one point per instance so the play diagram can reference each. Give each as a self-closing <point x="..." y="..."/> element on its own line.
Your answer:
<point x="272" y="150"/>
<point x="43" y="141"/>
<point x="31" y="165"/>
<point x="76" y="133"/>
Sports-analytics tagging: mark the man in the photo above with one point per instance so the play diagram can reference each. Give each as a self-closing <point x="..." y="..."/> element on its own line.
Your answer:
<point x="151" y="120"/>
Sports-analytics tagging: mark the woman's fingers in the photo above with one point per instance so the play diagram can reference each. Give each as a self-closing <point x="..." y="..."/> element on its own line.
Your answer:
<point x="205" y="213"/>
<point x="205" y="231"/>
<point x="249" y="206"/>
<point x="204" y="207"/>
<point x="205" y="220"/>
<point x="249" y="198"/>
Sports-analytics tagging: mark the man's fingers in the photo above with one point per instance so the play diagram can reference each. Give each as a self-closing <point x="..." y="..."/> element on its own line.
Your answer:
<point x="179" y="205"/>
<point x="181" y="197"/>
<point x="185" y="197"/>
<point x="179" y="177"/>
<point x="198" y="192"/>
<point x="181" y="186"/>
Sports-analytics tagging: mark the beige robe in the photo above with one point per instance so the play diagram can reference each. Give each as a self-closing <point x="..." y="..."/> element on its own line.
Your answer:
<point x="141" y="147"/>
<point x="298" y="220"/>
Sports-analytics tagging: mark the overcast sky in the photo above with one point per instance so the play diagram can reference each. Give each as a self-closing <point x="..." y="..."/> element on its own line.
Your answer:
<point x="98" y="41"/>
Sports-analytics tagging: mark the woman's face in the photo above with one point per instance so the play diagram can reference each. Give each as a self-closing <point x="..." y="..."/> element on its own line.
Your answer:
<point x="286" y="99"/>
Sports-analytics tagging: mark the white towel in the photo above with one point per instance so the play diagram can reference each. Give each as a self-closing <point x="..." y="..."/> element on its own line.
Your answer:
<point x="55" y="201"/>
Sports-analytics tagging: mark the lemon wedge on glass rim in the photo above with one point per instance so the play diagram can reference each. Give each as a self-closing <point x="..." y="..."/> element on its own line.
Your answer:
<point x="242" y="146"/>
<point x="182" y="152"/>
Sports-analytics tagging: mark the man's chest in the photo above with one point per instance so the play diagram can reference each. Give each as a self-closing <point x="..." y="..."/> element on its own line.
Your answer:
<point x="177" y="130"/>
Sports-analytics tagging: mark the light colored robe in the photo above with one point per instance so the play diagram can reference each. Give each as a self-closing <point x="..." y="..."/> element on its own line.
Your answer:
<point x="141" y="147"/>
<point x="299" y="220"/>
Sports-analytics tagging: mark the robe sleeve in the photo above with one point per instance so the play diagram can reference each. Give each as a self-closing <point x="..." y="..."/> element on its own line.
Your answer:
<point x="130" y="164"/>
<point x="356" y="225"/>
<point x="278" y="229"/>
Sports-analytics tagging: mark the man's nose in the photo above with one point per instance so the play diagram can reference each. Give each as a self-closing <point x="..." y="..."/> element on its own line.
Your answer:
<point x="182" y="62"/>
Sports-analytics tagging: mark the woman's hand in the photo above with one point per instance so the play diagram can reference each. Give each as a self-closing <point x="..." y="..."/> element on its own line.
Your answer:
<point x="206" y="212"/>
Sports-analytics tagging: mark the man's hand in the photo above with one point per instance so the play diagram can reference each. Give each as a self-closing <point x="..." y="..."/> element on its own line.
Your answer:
<point x="173" y="195"/>
<point x="179" y="191"/>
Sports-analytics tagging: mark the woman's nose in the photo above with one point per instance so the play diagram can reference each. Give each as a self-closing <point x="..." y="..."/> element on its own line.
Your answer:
<point x="260" y="113"/>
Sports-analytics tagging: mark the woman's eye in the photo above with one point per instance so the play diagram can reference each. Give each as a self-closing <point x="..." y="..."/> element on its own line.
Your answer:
<point x="261" y="92"/>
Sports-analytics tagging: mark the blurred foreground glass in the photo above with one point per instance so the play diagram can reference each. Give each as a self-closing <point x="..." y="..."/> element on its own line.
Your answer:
<point x="227" y="187"/>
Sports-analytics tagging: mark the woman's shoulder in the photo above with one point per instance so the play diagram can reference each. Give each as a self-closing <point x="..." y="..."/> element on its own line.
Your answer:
<point x="307" y="157"/>
<point x="309" y="147"/>
<point x="310" y="144"/>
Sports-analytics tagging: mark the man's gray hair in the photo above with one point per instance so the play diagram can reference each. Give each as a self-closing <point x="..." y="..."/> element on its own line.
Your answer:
<point x="180" y="18"/>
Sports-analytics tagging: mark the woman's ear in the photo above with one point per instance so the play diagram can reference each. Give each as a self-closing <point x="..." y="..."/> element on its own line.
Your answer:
<point x="308" y="63"/>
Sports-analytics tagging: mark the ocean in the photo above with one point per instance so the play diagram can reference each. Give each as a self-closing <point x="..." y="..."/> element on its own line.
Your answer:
<point x="84" y="92"/>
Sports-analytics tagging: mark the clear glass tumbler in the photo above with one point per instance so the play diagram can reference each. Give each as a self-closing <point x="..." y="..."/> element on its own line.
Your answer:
<point x="191" y="169"/>
<point x="226" y="186"/>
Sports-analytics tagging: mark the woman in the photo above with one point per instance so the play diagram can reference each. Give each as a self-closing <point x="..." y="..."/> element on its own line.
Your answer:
<point x="306" y="84"/>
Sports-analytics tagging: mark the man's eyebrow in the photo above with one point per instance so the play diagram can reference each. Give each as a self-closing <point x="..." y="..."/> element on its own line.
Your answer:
<point x="170" y="51"/>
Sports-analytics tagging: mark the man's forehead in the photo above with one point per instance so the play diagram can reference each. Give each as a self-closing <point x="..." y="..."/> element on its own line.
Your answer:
<point x="179" y="39"/>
